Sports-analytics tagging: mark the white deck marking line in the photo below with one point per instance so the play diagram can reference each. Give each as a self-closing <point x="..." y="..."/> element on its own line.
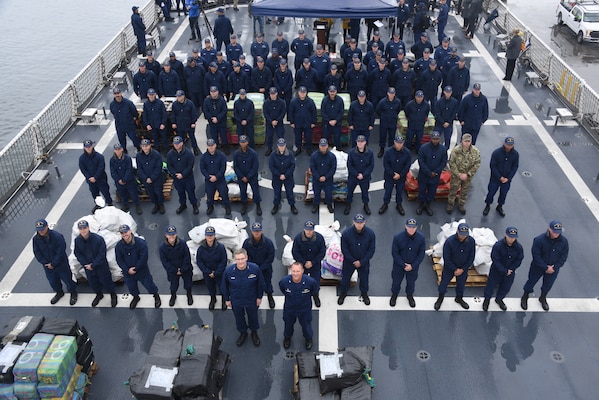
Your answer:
<point x="552" y="148"/>
<point x="328" y="328"/>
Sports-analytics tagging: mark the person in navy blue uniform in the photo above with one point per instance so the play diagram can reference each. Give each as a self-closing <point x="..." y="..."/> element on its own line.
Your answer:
<point x="442" y="19"/>
<point x="307" y="76"/>
<point x="259" y="48"/>
<point x="143" y="80"/>
<point x="393" y="46"/>
<point x="121" y="170"/>
<point x="504" y="165"/>
<point x="549" y="254"/>
<point x="388" y="110"/>
<point x="211" y="258"/>
<point x="246" y="164"/>
<point x="274" y="112"/>
<point x="403" y="80"/>
<point x="302" y="47"/>
<point x="446" y="111"/>
<point x="154" y="119"/>
<point x="243" y="112"/>
<point x="223" y="66"/>
<point x="333" y="78"/>
<point x="396" y="63"/>
<point x="92" y="165"/>
<point x="283" y="82"/>
<point x="449" y="62"/>
<point x="403" y="14"/>
<point x="458" y="255"/>
<point x="358" y="243"/>
<point x="378" y="82"/>
<point x="237" y="81"/>
<point x="421" y="45"/>
<point x="177" y="66"/>
<point x="168" y="82"/>
<point x="149" y="170"/>
<point x="243" y="288"/>
<point x="360" y="117"/>
<point x="473" y="112"/>
<point x="298" y="290"/>
<point x="233" y="49"/>
<point x="302" y="117"/>
<point x="360" y="163"/>
<point x="323" y="165"/>
<point x="320" y="62"/>
<point x="507" y="255"/>
<point x="180" y="163"/>
<point x="407" y="251"/>
<point x="90" y="251"/>
<point x="429" y="83"/>
<point x="245" y="67"/>
<point x="309" y="249"/>
<point x="261" y="77"/>
<point x="261" y="251"/>
<point x="420" y="21"/>
<point x="417" y="114"/>
<point x="396" y="164"/>
<point x="458" y="78"/>
<point x="282" y="165"/>
<point x="281" y="44"/>
<point x="152" y="64"/>
<point x="213" y="164"/>
<point x="194" y="78"/>
<point x="208" y="53"/>
<point x="139" y="29"/>
<point x="215" y="111"/>
<point x="176" y="260"/>
<point x="183" y="119"/>
<point x="125" y="117"/>
<point x="332" y="109"/>
<point x="214" y="77"/>
<point x="353" y="51"/>
<point x="132" y="257"/>
<point x="222" y="29"/>
<point x="441" y="52"/>
<point x="376" y="38"/>
<point x="432" y="159"/>
<point x="356" y="79"/>
<point x="421" y="64"/>
<point x="273" y="62"/>
<point x="49" y="249"/>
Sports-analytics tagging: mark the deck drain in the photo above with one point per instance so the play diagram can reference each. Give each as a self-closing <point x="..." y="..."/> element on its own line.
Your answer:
<point x="478" y="299"/>
<point x="557" y="357"/>
<point x="262" y="173"/>
<point x="579" y="135"/>
<point x="552" y="152"/>
<point x="527" y="174"/>
<point x="299" y="197"/>
<point x="125" y="296"/>
<point x="289" y="355"/>
<point x="585" y="199"/>
<point x="423" y="355"/>
<point x="502" y="134"/>
<point x="153" y="226"/>
<point x="5" y="295"/>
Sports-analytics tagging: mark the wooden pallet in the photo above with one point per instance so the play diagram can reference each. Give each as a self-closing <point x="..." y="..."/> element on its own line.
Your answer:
<point x="336" y="199"/>
<point x="217" y="197"/>
<point x="334" y="282"/>
<point x="166" y="190"/>
<point x="474" y="278"/>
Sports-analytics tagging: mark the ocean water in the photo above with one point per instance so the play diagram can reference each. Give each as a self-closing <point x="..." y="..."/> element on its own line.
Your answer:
<point x="43" y="46"/>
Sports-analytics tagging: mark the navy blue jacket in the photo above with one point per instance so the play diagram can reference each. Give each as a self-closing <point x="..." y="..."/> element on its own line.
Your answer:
<point x="213" y="164"/>
<point x="139" y="29"/>
<point x="393" y="47"/>
<point x="121" y="169"/>
<point x="320" y="64"/>
<point x="388" y="110"/>
<point x="50" y="249"/>
<point x="238" y="81"/>
<point x="361" y="116"/>
<point x="93" y="165"/>
<point x="445" y="110"/>
<point x="504" y="163"/>
<point x="360" y="163"/>
<point x="473" y="111"/>
<point x="92" y="251"/>
<point x="217" y="79"/>
<point x="195" y="78"/>
<point x="432" y="159"/>
<point x="302" y="113"/>
<point x="180" y="163"/>
<point x="142" y="82"/>
<point x="458" y="254"/>
<point x="273" y="64"/>
<point x="332" y="109"/>
<point x="332" y="80"/>
<point x="348" y="55"/>
<point x="282" y="164"/>
<point x="208" y="55"/>
<point x="243" y="288"/>
<point x="379" y="42"/>
<point x="274" y="110"/>
<point x="506" y="257"/>
<point x="178" y="67"/>
<point x="175" y="257"/>
<point x="261" y="253"/>
<point x="302" y="48"/>
<point x="246" y="163"/>
<point x="308" y="78"/>
<point x="149" y="166"/>
<point x="233" y="52"/>
<point x="323" y="165"/>
<point x="184" y="114"/>
<point x="450" y="62"/>
<point x="282" y="47"/>
<point x="417" y="114"/>
<point x="408" y="249"/>
<point x="309" y="249"/>
<point x="225" y="67"/>
<point x="212" y="258"/>
<point x="421" y="65"/>
<point x="155" y="67"/>
<point x="378" y="82"/>
<point x="215" y="108"/>
<point x="403" y="13"/>
<point x="430" y="82"/>
<point x="459" y="80"/>
<point x="125" y="113"/>
<point x="154" y="113"/>
<point x="134" y="254"/>
<point x="396" y="161"/>
<point x="298" y="296"/>
<point x="403" y="82"/>
<point x="244" y="110"/>
<point x="168" y="83"/>
<point x="356" y="80"/>
<point x="547" y="251"/>
<point x="260" y="79"/>
<point x="247" y="68"/>
<point x="222" y="28"/>
<point x="259" y="50"/>
<point x="283" y="81"/>
<point x="418" y="48"/>
<point x="357" y="246"/>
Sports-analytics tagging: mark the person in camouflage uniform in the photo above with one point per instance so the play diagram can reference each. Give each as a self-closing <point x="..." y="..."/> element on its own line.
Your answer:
<point x="463" y="164"/>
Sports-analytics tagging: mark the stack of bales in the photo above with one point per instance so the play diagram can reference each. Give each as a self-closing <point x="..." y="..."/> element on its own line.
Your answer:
<point x="259" y="126"/>
<point x="317" y="131"/>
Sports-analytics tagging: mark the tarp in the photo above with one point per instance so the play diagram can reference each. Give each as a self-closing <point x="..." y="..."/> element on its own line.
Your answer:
<point x="328" y="8"/>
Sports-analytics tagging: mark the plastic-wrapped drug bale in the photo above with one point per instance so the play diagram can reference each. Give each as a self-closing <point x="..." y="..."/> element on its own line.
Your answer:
<point x="25" y="369"/>
<point x="21" y="329"/>
<point x="58" y="362"/>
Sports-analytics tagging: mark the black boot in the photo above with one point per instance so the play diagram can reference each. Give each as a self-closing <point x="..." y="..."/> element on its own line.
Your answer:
<point x="341" y="298"/>
<point x="365" y="298"/>
<point x="381" y="152"/>
<point x="524" y="301"/>
<point x="161" y="208"/>
<point x="189" y="297"/>
<point x="258" y="209"/>
<point x="113" y="300"/>
<point x="439" y="302"/>
<point x="543" y="300"/>
<point x="172" y="300"/>
<point x="56" y="297"/>
<point x="212" y="303"/>
<point x="501" y="304"/>
<point x="411" y="301"/>
<point x="366" y="209"/>
<point x="317" y="301"/>
<point x="347" y="208"/>
<point x="460" y="301"/>
<point x="271" y="301"/>
<point x="97" y="299"/>
<point x="383" y="208"/>
<point x="486" y="304"/>
<point x="500" y="210"/>
<point x="155" y="208"/>
<point x="487" y="209"/>
<point x="420" y="209"/>
<point x="134" y="302"/>
<point x="393" y="300"/>
<point x="429" y="211"/>
<point x="224" y="304"/>
<point x="157" y="301"/>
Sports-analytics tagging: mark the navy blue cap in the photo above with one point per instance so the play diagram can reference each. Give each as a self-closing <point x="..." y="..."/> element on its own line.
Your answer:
<point x="448" y="89"/>
<point x="391" y="90"/>
<point x="242" y="91"/>
<point x="213" y="65"/>
<point x="281" y="142"/>
<point x="323" y="142"/>
<point x="273" y="90"/>
<point x="332" y="88"/>
<point x="361" y="138"/>
<point x="419" y="93"/>
<point x="511" y="232"/>
<point x="210" y="142"/>
<point x="334" y="66"/>
<point x="151" y="91"/>
<point x="309" y="225"/>
<point x="209" y="231"/>
<point x="300" y="32"/>
<point x="243" y="139"/>
<point x="283" y="62"/>
<point x="145" y="142"/>
<point x="302" y="89"/>
<point x="177" y="140"/>
<point x="195" y="50"/>
<point x="476" y="86"/>
<point x="142" y="64"/>
<point x="116" y="90"/>
<point x="556" y="226"/>
<point x="220" y="10"/>
<point x="435" y="135"/>
<point x="509" y="141"/>
<point x="411" y="222"/>
<point x="124" y="228"/>
<point x="41" y="224"/>
<point x="134" y="8"/>
<point x="259" y="59"/>
<point x="82" y="224"/>
<point x="463" y="229"/>
<point x="87" y="143"/>
<point x="359" y="218"/>
<point x="117" y="146"/>
<point x="256" y="227"/>
<point x="213" y="89"/>
<point x="171" y="230"/>
<point x="242" y="57"/>
<point x="361" y="93"/>
<point x="180" y="93"/>
<point x="306" y="61"/>
<point x="399" y="139"/>
<point x="172" y="54"/>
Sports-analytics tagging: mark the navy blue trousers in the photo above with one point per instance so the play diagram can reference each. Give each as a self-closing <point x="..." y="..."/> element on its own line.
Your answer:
<point x="252" y="318"/>
<point x="57" y="274"/>
<point x="305" y="320"/>
<point x="398" y="274"/>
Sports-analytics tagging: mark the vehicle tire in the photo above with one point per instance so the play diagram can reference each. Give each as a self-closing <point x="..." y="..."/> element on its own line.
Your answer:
<point x="580" y="38"/>
<point x="560" y="21"/>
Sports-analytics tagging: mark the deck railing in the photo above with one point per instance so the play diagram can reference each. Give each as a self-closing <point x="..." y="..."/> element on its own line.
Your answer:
<point x="29" y="147"/>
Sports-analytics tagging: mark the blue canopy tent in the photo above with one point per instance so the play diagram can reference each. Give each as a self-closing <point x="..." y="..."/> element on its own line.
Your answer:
<point x="326" y="8"/>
